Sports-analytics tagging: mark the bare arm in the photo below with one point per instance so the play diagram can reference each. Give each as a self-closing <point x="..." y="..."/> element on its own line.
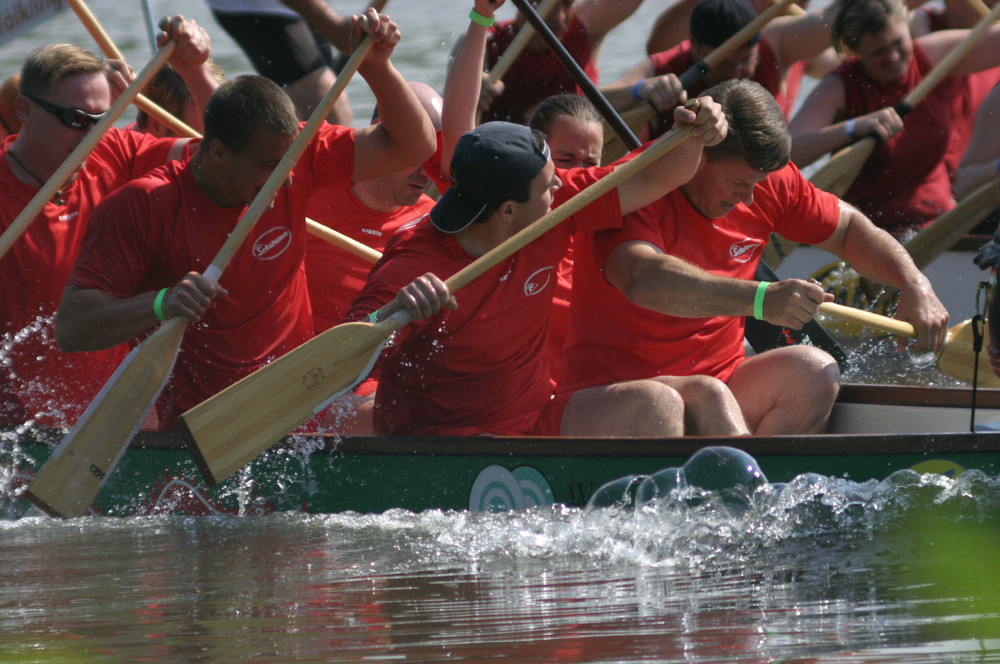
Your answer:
<point x="819" y="127"/>
<point x="680" y="164"/>
<point x="878" y="256"/>
<point x="335" y="28"/>
<point x="91" y="319"/>
<point x="190" y="57"/>
<point x="404" y="136"/>
<point x="672" y="26"/>
<point x="462" y="87"/>
<point x="669" y="285"/>
<point x="601" y="17"/>
<point x="984" y="54"/>
<point x="795" y="38"/>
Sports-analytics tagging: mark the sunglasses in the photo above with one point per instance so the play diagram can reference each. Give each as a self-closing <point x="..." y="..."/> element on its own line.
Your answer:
<point x="73" y="118"/>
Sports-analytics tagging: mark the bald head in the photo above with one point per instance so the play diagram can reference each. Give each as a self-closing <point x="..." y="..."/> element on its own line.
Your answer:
<point x="429" y="99"/>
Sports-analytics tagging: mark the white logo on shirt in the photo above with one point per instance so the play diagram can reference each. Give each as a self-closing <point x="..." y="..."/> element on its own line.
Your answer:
<point x="745" y="250"/>
<point x="272" y="244"/>
<point x="539" y="279"/>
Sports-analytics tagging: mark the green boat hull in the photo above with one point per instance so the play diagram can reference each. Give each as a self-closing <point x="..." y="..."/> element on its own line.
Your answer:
<point x="326" y="474"/>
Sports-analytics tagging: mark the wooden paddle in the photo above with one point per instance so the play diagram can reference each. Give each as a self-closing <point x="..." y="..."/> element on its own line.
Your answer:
<point x="346" y="243"/>
<point x="111" y="51"/>
<point x="223" y="433"/>
<point x="957" y="358"/>
<point x="77" y="156"/>
<point x="68" y="483"/>
<point x="638" y="117"/>
<point x="837" y="175"/>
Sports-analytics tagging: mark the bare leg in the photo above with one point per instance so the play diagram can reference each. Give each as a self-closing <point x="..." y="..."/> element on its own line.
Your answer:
<point x="639" y="408"/>
<point x="308" y="91"/>
<point x="788" y="390"/>
<point x="710" y="409"/>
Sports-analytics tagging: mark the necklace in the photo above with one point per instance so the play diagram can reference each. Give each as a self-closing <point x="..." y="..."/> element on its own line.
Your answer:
<point x="57" y="199"/>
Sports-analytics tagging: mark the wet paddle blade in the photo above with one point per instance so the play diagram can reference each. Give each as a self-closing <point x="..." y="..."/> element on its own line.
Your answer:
<point x="73" y="476"/>
<point x="230" y="429"/>
<point x="959" y="357"/>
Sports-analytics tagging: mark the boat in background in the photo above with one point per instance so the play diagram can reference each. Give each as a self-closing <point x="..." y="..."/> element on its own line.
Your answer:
<point x="875" y="431"/>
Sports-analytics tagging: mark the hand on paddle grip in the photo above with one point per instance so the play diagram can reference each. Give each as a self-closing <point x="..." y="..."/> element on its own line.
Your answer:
<point x="706" y="118"/>
<point x="882" y="124"/>
<point x="922" y="309"/>
<point x="191" y="296"/>
<point x="193" y="44"/>
<point x="792" y="303"/>
<point x="423" y="297"/>
<point x="661" y="92"/>
<point x="384" y="33"/>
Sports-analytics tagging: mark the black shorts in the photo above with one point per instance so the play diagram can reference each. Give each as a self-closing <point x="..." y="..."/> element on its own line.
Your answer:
<point x="282" y="48"/>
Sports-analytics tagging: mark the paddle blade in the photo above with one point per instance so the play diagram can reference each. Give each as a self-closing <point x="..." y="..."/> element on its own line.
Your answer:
<point x="837" y="175"/>
<point x="230" y="429"/>
<point x="72" y="477"/>
<point x="958" y="359"/>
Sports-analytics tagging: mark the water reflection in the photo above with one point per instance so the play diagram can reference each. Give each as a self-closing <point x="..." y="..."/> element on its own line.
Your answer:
<point x="818" y="570"/>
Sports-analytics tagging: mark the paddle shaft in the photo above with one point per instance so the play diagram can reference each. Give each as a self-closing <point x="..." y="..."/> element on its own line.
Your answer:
<point x="73" y="161"/>
<point x="110" y="50"/>
<point x="346" y="243"/>
<point x="588" y="87"/>
<point x="868" y="319"/>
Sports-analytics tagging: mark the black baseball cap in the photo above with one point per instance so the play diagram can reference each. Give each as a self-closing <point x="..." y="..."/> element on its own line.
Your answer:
<point x="715" y="21"/>
<point x="491" y="164"/>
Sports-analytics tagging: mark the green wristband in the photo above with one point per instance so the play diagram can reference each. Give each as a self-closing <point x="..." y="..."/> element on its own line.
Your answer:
<point x="485" y="21"/>
<point x="758" y="300"/>
<point x="158" y="304"/>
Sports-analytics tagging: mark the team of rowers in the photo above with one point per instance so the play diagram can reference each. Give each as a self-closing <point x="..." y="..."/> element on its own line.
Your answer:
<point x="625" y="320"/>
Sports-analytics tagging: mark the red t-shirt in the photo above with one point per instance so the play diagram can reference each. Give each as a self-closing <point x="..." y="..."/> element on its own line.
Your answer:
<point x="37" y="380"/>
<point x="482" y="368"/>
<point x="904" y="184"/>
<point x="336" y="276"/>
<point x="535" y="75"/>
<point x="156" y="229"/>
<point x="769" y="73"/>
<point x="611" y="339"/>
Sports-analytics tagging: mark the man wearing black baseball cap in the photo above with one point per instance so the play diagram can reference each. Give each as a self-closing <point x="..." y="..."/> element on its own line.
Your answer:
<point x="775" y="57"/>
<point x="479" y="365"/>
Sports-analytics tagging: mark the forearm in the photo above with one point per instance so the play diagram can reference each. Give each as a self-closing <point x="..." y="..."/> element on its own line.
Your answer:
<point x="808" y="146"/>
<point x="335" y="29"/>
<point x="90" y="319"/>
<point x="201" y="82"/>
<point x="667" y="173"/>
<point x="404" y="135"/>
<point x="878" y="256"/>
<point x="671" y="286"/>
<point x="462" y="88"/>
